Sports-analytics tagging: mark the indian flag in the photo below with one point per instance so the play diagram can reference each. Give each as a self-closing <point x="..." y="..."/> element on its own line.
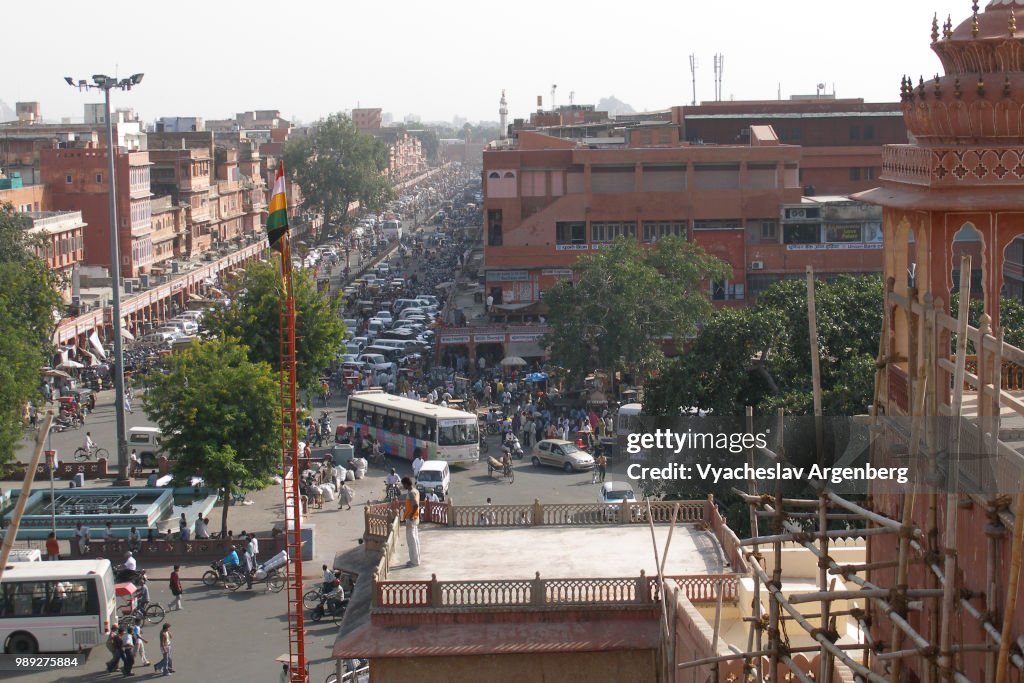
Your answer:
<point x="277" y="221"/>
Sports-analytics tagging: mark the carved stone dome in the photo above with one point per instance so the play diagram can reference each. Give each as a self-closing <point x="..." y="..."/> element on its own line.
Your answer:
<point x="980" y="98"/>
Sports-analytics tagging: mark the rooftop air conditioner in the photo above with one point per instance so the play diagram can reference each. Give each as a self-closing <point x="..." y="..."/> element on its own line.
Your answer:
<point x="757" y="265"/>
<point x="797" y="213"/>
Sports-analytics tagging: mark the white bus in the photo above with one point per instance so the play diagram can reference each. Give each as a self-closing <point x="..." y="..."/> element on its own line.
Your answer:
<point x="403" y="425"/>
<point x="62" y="606"/>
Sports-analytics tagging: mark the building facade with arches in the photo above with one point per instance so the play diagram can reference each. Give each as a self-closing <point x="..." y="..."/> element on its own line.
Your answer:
<point x="956" y="191"/>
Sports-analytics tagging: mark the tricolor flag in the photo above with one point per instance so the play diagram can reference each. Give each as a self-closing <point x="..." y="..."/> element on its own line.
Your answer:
<point x="277" y="221"/>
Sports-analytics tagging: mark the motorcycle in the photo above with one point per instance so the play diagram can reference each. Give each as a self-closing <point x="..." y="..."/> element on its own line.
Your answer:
<point x="124" y="575"/>
<point x="332" y="604"/>
<point x="511" y="442"/>
<point x="391" y="492"/>
<point x="216" y="575"/>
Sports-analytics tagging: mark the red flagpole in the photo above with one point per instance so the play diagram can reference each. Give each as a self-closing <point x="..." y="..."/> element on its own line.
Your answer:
<point x="291" y="458"/>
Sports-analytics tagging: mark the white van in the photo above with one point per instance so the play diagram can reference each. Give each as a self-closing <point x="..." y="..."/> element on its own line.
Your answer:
<point x="434" y="477"/>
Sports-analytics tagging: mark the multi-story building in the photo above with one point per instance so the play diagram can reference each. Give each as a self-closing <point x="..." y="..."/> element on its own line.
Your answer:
<point x="183" y="172"/>
<point x="367" y="118"/>
<point x="24" y="198"/>
<point x="169" y="231"/>
<point x="63" y="248"/>
<point x="548" y="200"/>
<point x="841" y="139"/>
<point x="405" y="153"/>
<point x="77" y="180"/>
<point x="179" y="124"/>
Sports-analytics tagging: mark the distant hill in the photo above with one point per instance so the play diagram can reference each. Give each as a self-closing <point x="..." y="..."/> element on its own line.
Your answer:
<point x="614" y="106"/>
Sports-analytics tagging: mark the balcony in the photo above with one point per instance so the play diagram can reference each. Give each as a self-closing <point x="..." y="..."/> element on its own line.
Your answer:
<point x="954" y="166"/>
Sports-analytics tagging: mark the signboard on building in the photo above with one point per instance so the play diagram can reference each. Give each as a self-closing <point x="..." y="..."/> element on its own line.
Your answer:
<point x="524" y="337"/>
<point x="839" y="246"/>
<point x="572" y="247"/>
<point x="557" y="272"/>
<point x="455" y="339"/>
<point x="508" y="276"/>
<point x="488" y="338"/>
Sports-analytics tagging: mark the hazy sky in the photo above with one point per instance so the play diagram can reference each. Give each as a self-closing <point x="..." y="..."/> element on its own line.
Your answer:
<point x="444" y="58"/>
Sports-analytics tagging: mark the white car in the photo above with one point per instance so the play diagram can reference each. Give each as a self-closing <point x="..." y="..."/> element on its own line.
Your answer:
<point x="615" y="492"/>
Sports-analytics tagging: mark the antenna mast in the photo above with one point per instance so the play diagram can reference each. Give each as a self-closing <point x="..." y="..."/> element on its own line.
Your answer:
<point x="719" y="68"/>
<point x="693" y="77"/>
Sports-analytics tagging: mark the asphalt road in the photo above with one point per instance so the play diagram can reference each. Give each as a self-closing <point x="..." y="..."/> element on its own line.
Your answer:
<point x="227" y="637"/>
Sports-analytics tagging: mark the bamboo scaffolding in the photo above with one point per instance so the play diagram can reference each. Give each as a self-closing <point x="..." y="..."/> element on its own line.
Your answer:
<point x="761" y="653"/>
<point x="775" y="585"/>
<point x="946" y="661"/>
<point x="780" y="601"/>
<point x="754" y="634"/>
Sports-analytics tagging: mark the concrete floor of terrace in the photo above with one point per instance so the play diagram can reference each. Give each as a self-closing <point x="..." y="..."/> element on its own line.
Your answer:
<point x="556" y="552"/>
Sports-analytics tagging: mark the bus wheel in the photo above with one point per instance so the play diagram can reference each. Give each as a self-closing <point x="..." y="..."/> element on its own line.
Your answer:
<point x="21" y="644"/>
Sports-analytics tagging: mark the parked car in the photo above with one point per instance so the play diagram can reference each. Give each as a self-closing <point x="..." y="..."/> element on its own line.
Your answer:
<point x="564" y="454"/>
<point x="157" y="339"/>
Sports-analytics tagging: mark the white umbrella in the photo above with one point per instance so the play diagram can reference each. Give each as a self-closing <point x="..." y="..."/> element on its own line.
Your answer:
<point x="512" y="361"/>
<point x="127" y="335"/>
<point x="48" y="372"/>
<point x="71" y="364"/>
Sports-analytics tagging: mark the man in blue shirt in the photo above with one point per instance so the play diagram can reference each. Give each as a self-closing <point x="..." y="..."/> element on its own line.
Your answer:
<point x="231" y="561"/>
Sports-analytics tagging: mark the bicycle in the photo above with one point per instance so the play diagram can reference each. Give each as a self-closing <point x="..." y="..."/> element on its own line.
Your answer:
<point x="276" y="581"/>
<point x="82" y="454"/>
<point x="153" y="614"/>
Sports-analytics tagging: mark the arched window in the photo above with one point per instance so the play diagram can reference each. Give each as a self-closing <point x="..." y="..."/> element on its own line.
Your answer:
<point x="509" y="175"/>
<point x="494" y="175"/>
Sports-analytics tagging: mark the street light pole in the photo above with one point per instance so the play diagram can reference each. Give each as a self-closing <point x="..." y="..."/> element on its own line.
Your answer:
<point x="106" y="84"/>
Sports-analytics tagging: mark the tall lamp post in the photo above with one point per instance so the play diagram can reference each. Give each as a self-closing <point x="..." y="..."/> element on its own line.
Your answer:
<point x="106" y="84"/>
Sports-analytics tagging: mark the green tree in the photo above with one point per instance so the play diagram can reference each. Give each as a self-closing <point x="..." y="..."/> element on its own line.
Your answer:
<point x="29" y="298"/>
<point x="219" y="414"/>
<point x="1011" y="319"/>
<point x="625" y="300"/>
<point x="760" y="356"/>
<point x="254" y="317"/>
<point x="337" y="165"/>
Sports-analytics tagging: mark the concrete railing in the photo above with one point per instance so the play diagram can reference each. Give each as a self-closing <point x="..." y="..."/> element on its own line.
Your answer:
<point x="168" y="551"/>
<point x="538" y="592"/>
<point x="379" y="515"/>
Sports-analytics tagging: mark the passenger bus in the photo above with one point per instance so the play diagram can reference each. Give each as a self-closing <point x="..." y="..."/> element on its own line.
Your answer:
<point x="61" y="606"/>
<point x="627" y="421"/>
<point x="404" y="425"/>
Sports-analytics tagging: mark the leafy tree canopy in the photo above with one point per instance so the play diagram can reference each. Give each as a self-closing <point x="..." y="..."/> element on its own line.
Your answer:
<point x="337" y="165"/>
<point x="625" y="299"/>
<point x="254" y="317"/>
<point x="219" y="415"/>
<point x="29" y="296"/>
<point x="760" y="356"/>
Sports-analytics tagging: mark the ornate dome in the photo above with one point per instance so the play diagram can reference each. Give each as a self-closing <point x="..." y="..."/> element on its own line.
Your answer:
<point x="980" y="97"/>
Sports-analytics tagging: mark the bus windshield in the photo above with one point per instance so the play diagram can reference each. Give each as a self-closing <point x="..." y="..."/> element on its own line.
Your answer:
<point x="457" y="434"/>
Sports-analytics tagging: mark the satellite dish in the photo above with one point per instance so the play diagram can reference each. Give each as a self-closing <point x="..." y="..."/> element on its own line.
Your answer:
<point x="821" y="86"/>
